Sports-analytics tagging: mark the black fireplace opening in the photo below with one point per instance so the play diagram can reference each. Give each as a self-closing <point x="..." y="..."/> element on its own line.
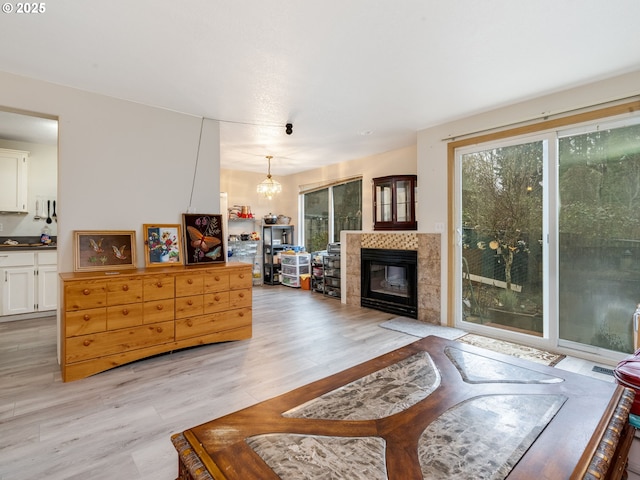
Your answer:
<point x="390" y="280"/>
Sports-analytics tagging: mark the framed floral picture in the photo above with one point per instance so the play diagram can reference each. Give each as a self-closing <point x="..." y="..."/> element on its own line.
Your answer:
<point x="162" y="245"/>
<point x="104" y="250"/>
<point x="203" y="238"/>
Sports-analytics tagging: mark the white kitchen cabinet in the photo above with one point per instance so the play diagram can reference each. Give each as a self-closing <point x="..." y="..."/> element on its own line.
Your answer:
<point x="13" y="180"/>
<point x="17" y="271"/>
<point x="47" y="281"/>
<point x="29" y="282"/>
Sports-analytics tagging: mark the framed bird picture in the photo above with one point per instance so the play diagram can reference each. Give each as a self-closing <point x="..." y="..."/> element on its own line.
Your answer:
<point x="203" y="238"/>
<point x="104" y="250"/>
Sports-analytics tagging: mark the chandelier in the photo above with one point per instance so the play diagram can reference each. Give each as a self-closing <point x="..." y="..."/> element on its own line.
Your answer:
<point x="269" y="187"/>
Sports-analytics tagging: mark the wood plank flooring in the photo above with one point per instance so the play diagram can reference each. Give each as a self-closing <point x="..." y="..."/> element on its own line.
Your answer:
<point x="117" y="424"/>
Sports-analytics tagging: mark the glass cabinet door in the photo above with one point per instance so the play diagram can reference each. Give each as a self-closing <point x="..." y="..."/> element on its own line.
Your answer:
<point x="383" y="212"/>
<point x="394" y="203"/>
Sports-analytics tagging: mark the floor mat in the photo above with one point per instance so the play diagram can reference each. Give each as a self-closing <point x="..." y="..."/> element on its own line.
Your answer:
<point x="513" y="349"/>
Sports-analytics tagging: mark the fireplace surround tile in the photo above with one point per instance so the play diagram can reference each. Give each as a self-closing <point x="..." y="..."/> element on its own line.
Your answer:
<point x="429" y="270"/>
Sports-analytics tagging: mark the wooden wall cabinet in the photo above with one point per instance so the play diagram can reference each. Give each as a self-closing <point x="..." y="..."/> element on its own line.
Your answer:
<point x="111" y="320"/>
<point x="394" y="202"/>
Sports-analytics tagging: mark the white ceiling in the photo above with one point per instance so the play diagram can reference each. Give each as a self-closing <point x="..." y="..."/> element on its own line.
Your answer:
<point x="354" y="77"/>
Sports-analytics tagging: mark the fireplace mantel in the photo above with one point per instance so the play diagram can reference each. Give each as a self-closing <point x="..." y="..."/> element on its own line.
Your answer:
<point x="429" y="277"/>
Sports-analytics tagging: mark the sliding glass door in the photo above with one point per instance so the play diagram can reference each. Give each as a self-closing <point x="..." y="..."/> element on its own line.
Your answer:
<point x="599" y="236"/>
<point x="501" y="231"/>
<point x="549" y="236"/>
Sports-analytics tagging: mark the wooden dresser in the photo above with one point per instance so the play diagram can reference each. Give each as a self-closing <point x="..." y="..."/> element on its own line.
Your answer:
<point x="112" y="319"/>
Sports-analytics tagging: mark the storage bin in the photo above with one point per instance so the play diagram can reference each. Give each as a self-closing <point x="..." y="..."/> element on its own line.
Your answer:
<point x="290" y="281"/>
<point x="293" y="270"/>
<point x="301" y="259"/>
<point x="305" y="282"/>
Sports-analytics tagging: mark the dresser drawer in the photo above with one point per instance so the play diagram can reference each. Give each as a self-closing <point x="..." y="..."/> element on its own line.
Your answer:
<point x="158" y="287"/>
<point x="124" y="316"/>
<point x="158" y="311"/>
<point x="213" y="323"/>
<point x="189" y="306"/>
<point x="239" y="280"/>
<point x="216" y="302"/>
<point x="124" y="290"/>
<point x="82" y="295"/>
<point x="99" y="345"/>
<point x="83" y="322"/>
<point x="240" y="298"/>
<point x="216" y="282"/>
<point x="189" y="284"/>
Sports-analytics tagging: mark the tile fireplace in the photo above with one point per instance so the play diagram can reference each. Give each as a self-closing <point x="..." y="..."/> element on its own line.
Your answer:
<point x="427" y="246"/>
<point x="390" y="280"/>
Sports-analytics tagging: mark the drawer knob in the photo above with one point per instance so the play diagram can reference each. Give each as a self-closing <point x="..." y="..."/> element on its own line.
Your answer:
<point x="159" y="284"/>
<point x="189" y="302"/>
<point x="217" y="298"/>
<point x="86" y="291"/>
<point x="189" y="323"/>
<point x="241" y="275"/>
<point x="241" y="314"/>
<point x="125" y="288"/>
<point x="190" y="281"/>
<point x="86" y="343"/>
<point x="159" y="329"/>
<point x="125" y="311"/>
<point x="217" y="277"/>
<point x="241" y="294"/>
<point x="86" y="317"/>
<point x="160" y="307"/>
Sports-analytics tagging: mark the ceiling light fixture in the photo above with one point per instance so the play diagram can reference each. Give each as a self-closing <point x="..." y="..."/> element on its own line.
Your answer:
<point x="269" y="187"/>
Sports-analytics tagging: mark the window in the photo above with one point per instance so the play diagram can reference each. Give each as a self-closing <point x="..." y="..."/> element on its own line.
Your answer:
<point x="329" y="210"/>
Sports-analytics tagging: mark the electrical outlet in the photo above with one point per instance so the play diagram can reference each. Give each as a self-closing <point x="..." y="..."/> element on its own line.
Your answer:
<point x="439" y="227"/>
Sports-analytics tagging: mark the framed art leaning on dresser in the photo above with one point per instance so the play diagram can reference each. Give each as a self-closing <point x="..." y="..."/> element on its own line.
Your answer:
<point x="104" y="250"/>
<point x="203" y="238"/>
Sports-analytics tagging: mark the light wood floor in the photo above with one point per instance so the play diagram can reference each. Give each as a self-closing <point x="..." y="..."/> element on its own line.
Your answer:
<point x="118" y="424"/>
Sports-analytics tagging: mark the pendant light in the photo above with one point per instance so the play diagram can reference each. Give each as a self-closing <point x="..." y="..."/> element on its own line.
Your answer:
<point x="269" y="187"/>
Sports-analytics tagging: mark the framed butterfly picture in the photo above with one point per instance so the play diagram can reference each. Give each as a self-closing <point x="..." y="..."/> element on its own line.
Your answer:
<point x="104" y="250"/>
<point x="162" y="245"/>
<point x="203" y="238"/>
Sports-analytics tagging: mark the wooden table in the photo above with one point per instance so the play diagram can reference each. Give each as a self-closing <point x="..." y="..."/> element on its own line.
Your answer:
<point x="433" y="409"/>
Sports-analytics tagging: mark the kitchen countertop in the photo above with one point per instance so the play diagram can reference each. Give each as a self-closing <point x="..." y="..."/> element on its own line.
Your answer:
<point x="26" y="243"/>
<point x="22" y="247"/>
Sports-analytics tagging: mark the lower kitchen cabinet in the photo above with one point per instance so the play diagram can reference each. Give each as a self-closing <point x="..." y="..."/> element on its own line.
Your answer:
<point x="109" y="321"/>
<point x="29" y="282"/>
<point x="47" y="281"/>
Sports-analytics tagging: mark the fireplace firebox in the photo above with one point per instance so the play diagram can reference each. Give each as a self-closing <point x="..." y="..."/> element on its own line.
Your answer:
<point x="390" y="280"/>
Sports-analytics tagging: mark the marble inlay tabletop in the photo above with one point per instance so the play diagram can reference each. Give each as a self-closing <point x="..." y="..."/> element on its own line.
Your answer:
<point x="435" y="409"/>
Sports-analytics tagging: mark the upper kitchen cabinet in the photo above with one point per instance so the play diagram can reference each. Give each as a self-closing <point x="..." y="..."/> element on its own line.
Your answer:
<point x="394" y="203"/>
<point x="13" y="180"/>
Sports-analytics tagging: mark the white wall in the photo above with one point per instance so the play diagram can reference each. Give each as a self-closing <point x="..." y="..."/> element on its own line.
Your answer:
<point x="432" y="149"/>
<point x="120" y="164"/>
<point x="41" y="183"/>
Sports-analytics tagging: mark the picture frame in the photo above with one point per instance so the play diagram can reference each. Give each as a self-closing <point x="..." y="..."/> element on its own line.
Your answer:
<point x="104" y="250"/>
<point x="162" y="245"/>
<point x="203" y="238"/>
